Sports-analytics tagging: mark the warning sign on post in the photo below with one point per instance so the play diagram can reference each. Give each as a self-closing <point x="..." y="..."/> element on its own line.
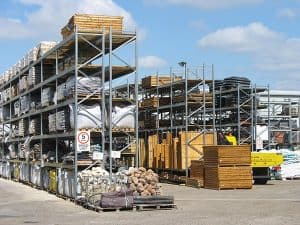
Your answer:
<point x="83" y="141"/>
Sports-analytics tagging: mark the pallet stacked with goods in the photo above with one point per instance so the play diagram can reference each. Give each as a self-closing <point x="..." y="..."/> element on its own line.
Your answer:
<point x="176" y="119"/>
<point x="61" y="112"/>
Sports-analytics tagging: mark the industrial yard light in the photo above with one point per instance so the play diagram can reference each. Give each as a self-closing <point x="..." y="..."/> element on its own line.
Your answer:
<point x="182" y="64"/>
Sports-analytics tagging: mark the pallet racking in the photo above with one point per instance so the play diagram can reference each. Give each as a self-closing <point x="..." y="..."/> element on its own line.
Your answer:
<point x="94" y="56"/>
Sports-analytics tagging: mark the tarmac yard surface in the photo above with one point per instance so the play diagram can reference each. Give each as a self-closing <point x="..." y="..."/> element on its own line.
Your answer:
<point x="277" y="203"/>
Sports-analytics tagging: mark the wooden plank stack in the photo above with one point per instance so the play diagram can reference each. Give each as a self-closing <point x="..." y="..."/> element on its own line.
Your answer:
<point x="197" y="171"/>
<point x="195" y="146"/>
<point x="170" y="152"/>
<point x="194" y="98"/>
<point x="227" y="167"/>
<point x="154" y="81"/>
<point x="92" y="24"/>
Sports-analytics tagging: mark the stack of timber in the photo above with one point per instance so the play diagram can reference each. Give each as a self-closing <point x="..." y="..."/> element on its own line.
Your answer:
<point x="92" y="23"/>
<point x="155" y="102"/>
<point x="227" y="167"/>
<point x="199" y="98"/>
<point x="171" y="152"/>
<point x="155" y="81"/>
<point x="197" y="172"/>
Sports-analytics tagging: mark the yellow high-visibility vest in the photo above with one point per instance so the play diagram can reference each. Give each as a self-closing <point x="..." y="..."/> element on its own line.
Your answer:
<point x="231" y="139"/>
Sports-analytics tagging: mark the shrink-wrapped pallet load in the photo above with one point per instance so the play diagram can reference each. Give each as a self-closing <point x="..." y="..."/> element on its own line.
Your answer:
<point x="47" y="96"/>
<point x="24" y="104"/>
<point x="61" y="92"/>
<point x="35" y="126"/>
<point x="52" y="122"/>
<point x="63" y="120"/>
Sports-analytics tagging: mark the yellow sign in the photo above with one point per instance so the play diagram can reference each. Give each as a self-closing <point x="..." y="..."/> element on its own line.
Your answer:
<point x="266" y="159"/>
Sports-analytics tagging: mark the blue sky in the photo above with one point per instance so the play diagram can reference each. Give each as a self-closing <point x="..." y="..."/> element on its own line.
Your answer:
<point x="259" y="39"/>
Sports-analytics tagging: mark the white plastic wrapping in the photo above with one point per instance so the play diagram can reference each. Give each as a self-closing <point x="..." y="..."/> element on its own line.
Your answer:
<point x="47" y="96"/>
<point x="123" y="117"/>
<point x="61" y="92"/>
<point x="88" y="116"/>
<point x="24" y="104"/>
<point x="52" y="122"/>
<point x="35" y="175"/>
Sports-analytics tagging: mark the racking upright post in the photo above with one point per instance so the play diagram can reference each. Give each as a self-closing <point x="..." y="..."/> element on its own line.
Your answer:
<point x="186" y="121"/>
<point x="213" y="104"/>
<point x="269" y="120"/>
<point x="204" y="105"/>
<point x="75" y="113"/>
<point x="103" y="99"/>
<point x="110" y="104"/>
<point x="136" y="97"/>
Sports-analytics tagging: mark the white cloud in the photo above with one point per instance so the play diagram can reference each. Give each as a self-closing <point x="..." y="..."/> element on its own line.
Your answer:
<point x="287" y="13"/>
<point x="152" y="62"/>
<point x="251" y="38"/>
<point x="51" y="16"/>
<point x="271" y="51"/>
<point x="206" y="4"/>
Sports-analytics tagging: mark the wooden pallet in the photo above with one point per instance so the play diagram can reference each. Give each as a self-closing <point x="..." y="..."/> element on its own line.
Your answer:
<point x="100" y="209"/>
<point x="292" y="178"/>
<point x="144" y="207"/>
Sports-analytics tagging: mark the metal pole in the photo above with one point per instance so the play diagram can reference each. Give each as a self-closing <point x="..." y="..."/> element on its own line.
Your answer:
<point x="75" y="113"/>
<point x="136" y="86"/>
<point x="214" y="106"/>
<point x="239" y="115"/>
<point x="269" y="121"/>
<point x="56" y="72"/>
<point x="110" y="103"/>
<point x="290" y="122"/>
<point x="186" y="123"/>
<point x="103" y="100"/>
<point x="171" y="117"/>
<point x="252" y="118"/>
<point x="204" y="105"/>
<point x="255" y="111"/>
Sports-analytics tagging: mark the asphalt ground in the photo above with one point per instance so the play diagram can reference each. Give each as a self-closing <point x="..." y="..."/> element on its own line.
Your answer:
<point x="277" y="203"/>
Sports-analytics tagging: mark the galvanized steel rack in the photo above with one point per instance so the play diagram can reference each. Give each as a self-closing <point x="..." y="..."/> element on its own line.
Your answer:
<point x="88" y="55"/>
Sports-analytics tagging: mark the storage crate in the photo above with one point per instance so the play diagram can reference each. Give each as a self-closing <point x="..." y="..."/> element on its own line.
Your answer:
<point x="92" y="23"/>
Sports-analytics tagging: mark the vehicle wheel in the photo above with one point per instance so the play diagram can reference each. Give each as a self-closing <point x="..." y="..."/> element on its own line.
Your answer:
<point x="260" y="181"/>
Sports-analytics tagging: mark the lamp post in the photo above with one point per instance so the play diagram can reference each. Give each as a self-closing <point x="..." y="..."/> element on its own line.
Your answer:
<point x="184" y="64"/>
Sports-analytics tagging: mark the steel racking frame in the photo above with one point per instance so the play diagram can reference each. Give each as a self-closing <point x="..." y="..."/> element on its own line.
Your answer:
<point x="100" y="46"/>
